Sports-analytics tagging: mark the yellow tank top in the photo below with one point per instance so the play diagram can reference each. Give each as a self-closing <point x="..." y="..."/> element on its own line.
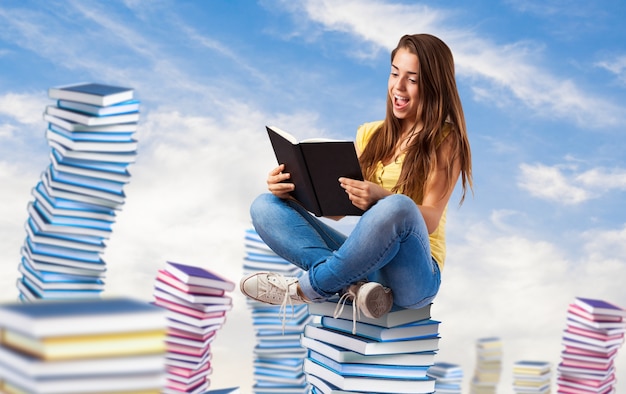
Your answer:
<point x="387" y="177"/>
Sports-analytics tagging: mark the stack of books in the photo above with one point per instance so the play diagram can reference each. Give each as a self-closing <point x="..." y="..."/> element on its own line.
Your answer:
<point x="114" y="345"/>
<point x="196" y="303"/>
<point x="531" y="377"/>
<point x="449" y="377"/>
<point x="278" y="354"/>
<point x="488" y="366"/>
<point x="391" y="354"/>
<point x="91" y="135"/>
<point x="594" y="333"/>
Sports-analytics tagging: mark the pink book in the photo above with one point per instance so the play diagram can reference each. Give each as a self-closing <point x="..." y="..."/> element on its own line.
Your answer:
<point x="189" y="311"/>
<point x="170" y="279"/>
<point x="586" y="352"/>
<point x="586" y="364"/>
<point x="165" y="299"/>
<point x="194" y="275"/>
<point x="189" y="335"/>
<point x="595" y="334"/>
<point x="194" y="387"/>
<point x="187" y="350"/>
<point x="189" y="373"/>
<point x="592" y="317"/>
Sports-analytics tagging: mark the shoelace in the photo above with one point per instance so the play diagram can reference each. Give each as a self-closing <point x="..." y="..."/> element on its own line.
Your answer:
<point x="282" y="284"/>
<point x="356" y="311"/>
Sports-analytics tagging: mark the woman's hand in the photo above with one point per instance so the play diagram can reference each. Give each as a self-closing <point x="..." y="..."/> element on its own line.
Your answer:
<point x="276" y="184"/>
<point x="363" y="194"/>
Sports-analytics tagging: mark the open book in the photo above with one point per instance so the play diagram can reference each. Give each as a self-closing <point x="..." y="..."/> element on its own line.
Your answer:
<point x="315" y="166"/>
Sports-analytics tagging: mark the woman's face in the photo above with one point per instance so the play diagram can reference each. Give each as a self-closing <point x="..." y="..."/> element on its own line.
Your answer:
<point x="402" y="86"/>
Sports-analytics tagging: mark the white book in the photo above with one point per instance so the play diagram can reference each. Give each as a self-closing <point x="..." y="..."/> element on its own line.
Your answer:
<point x="88" y="244"/>
<point x="193" y="298"/>
<point x="61" y="207"/>
<point x="396" y="317"/>
<point x="92" y="93"/>
<point x="35" y="368"/>
<point x="56" y="192"/>
<point x="122" y="176"/>
<point x="371" y="370"/>
<point x="342" y="355"/>
<point x="48" y="263"/>
<point x="368" y="384"/>
<point x="66" y="285"/>
<point x="91" y="146"/>
<point x="121" y="157"/>
<point x="420" y="328"/>
<point x="99" y="272"/>
<point x="369" y="346"/>
<point x="91" y="120"/>
<point x="115" y="109"/>
<point x="78" y="127"/>
<point x="43" y="222"/>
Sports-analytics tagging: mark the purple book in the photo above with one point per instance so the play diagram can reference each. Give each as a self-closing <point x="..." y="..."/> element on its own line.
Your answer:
<point x="194" y="275"/>
<point x="599" y="307"/>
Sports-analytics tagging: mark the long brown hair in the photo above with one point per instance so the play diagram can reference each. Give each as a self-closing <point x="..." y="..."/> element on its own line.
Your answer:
<point x="439" y="104"/>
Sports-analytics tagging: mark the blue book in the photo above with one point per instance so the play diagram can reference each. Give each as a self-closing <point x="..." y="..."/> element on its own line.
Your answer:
<point x="420" y="329"/>
<point x="98" y="110"/>
<point x="77" y="127"/>
<point x="57" y="294"/>
<point x="368" y="346"/>
<point x="92" y="135"/>
<point x="73" y="241"/>
<point x="58" y="251"/>
<point x="91" y="120"/>
<point x="230" y="390"/>
<point x="371" y="370"/>
<point x="71" y="183"/>
<point x="98" y="184"/>
<point x="67" y="224"/>
<point x="44" y="193"/>
<point x="71" y="142"/>
<point x="369" y="384"/>
<point x="75" y="209"/>
<point x="48" y="276"/>
<point x="66" y="284"/>
<point x="82" y="317"/>
<point x="92" y="93"/>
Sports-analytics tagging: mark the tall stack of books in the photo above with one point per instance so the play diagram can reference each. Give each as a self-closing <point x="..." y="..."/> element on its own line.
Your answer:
<point x="91" y="135"/>
<point x="114" y="345"/>
<point x="488" y="366"/>
<point x="278" y="354"/>
<point x="531" y="377"/>
<point x="196" y="303"/>
<point x="449" y="377"/>
<point x="391" y="354"/>
<point x="593" y="334"/>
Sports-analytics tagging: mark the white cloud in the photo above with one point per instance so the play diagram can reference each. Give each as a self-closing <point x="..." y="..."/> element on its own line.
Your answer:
<point x="616" y="65"/>
<point x="23" y="108"/>
<point x="498" y="283"/>
<point x="562" y="183"/>
<point x="550" y="183"/>
<point x="496" y="72"/>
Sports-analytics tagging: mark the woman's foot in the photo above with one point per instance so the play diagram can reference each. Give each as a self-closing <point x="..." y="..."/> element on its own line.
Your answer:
<point x="371" y="298"/>
<point x="272" y="288"/>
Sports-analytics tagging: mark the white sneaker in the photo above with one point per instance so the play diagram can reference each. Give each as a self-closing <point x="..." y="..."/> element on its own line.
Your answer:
<point x="271" y="288"/>
<point x="371" y="298"/>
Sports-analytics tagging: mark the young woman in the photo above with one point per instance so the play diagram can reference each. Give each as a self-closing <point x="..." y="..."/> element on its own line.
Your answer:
<point x="411" y="162"/>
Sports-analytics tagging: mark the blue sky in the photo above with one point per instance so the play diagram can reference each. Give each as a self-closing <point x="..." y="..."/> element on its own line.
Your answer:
<point x="543" y="86"/>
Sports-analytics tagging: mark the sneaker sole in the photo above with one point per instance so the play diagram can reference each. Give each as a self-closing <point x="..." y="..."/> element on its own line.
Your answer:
<point x="378" y="300"/>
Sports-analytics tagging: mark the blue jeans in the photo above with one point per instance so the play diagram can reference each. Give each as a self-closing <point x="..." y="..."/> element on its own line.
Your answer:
<point x="388" y="245"/>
